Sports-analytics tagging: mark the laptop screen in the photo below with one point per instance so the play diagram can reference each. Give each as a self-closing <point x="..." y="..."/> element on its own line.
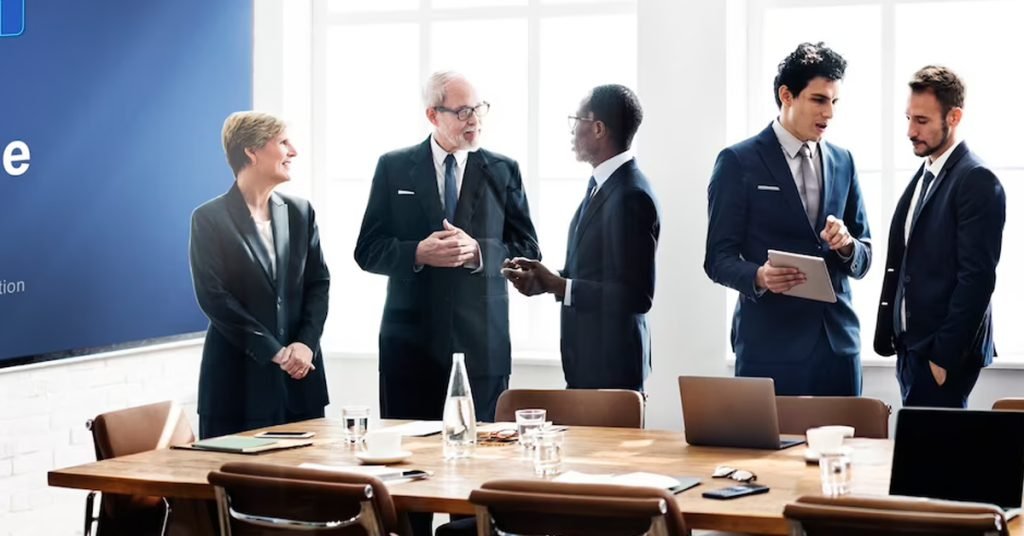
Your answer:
<point x="959" y="455"/>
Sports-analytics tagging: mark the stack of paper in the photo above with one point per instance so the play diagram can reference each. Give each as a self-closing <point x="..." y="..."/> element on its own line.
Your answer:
<point x="417" y="428"/>
<point x="650" y="480"/>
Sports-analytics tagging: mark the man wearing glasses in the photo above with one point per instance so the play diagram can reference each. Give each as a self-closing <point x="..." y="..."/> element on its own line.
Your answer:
<point x="607" y="285"/>
<point x="441" y="217"/>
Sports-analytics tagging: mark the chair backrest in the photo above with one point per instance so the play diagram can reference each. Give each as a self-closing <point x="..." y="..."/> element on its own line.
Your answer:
<point x="868" y="416"/>
<point x="129" y="431"/>
<point x="618" y="408"/>
<point x="883" y="516"/>
<point x="1016" y="404"/>
<point x="529" y="507"/>
<point x="138" y="429"/>
<point x="264" y="499"/>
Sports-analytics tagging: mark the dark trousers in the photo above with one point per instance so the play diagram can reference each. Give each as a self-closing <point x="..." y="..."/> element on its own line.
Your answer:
<point x="919" y="388"/>
<point x="421" y="396"/>
<point x="216" y="426"/>
<point x="822" y="373"/>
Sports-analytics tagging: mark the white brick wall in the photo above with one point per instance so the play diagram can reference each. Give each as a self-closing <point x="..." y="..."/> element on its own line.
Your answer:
<point x="43" y="410"/>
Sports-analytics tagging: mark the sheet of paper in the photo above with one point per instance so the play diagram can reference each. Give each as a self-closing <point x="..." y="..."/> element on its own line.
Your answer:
<point x="652" y="480"/>
<point x="371" y="470"/>
<point x="416" y="428"/>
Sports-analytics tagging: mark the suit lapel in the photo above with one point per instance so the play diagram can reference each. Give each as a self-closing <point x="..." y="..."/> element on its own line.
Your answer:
<point x="828" y="172"/>
<point x="606" y="191"/>
<point x="424" y="177"/>
<point x="247" y="228"/>
<point x="775" y="160"/>
<point x="473" y="182"/>
<point x="279" y="222"/>
<point x="951" y="162"/>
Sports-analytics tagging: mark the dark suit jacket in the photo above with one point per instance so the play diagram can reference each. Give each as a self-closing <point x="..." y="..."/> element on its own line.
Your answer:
<point x="432" y="312"/>
<point x="252" y="316"/>
<point x="947" y="267"/>
<point x="610" y="259"/>
<point x="754" y="206"/>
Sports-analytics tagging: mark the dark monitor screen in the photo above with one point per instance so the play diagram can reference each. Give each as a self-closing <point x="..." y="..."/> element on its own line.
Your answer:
<point x="959" y="455"/>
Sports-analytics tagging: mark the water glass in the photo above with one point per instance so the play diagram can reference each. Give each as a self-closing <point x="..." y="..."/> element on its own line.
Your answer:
<point x="355" y="420"/>
<point x="529" y="421"/>
<point x="547" y="451"/>
<point x="835" y="473"/>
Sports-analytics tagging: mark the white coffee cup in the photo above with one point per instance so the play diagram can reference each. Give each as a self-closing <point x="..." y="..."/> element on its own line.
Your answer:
<point x="381" y="442"/>
<point x="826" y="439"/>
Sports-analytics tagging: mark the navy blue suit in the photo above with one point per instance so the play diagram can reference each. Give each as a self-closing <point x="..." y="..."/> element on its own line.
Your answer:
<point x="610" y="259"/>
<point x="252" y="314"/>
<point x="947" y="270"/>
<point x="432" y="312"/>
<point x="808" y="347"/>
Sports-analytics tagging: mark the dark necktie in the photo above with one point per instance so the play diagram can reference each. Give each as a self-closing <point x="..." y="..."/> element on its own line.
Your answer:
<point x="926" y="181"/>
<point x="451" y="191"/>
<point x="898" y="317"/>
<point x="591" y="186"/>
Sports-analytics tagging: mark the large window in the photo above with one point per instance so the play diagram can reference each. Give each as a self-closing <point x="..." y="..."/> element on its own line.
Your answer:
<point x="885" y="41"/>
<point x="533" y="60"/>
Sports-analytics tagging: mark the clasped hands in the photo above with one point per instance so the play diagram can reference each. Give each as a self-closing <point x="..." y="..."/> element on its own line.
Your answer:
<point x="450" y="247"/>
<point x="778" y="279"/>
<point x="296" y="360"/>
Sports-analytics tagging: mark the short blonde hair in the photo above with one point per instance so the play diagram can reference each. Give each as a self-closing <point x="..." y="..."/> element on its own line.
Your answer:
<point x="247" y="130"/>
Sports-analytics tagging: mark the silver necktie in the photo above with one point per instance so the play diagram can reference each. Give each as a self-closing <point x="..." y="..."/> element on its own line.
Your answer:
<point x="811" y="191"/>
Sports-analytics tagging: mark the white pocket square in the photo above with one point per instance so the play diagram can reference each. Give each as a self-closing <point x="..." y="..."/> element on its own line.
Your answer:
<point x="768" y="187"/>
<point x="406" y="192"/>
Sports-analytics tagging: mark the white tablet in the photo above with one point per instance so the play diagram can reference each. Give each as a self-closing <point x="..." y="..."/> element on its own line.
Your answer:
<point x="818" y="285"/>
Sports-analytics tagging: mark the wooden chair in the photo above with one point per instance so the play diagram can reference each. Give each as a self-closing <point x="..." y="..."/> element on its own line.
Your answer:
<point x="262" y="499"/>
<point x="576" y="407"/>
<point x="129" y="431"/>
<point x="868" y="416"/>
<point x="814" y="515"/>
<point x="1016" y="404"/>
<point x="528" y="507"/>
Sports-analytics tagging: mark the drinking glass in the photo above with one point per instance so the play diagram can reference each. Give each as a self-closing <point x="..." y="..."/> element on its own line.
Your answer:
<point x="355" y="420"/>
<point x="547" y="451"/>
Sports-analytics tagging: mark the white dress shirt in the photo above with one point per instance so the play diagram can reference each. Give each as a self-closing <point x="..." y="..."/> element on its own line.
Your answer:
<point x="602" y="172"/>
<point x="267" y="237"/>
<point x="791" y="148"/>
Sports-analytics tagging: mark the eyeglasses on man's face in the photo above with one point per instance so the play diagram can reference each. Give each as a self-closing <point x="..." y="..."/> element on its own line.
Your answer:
<point x="574" y="121"/>
<point x="463" y="113"/>
<point x="739" y="475"/>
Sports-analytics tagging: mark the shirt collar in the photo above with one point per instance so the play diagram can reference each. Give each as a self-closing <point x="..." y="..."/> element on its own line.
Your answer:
<point x="790" y="143"/>
<point x="440" y="154"/>
<point x="936" y="166"/>
<point x="604" y="170"/>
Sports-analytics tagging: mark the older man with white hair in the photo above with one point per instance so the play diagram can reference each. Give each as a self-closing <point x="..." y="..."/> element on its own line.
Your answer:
<point x="441" y="217"/>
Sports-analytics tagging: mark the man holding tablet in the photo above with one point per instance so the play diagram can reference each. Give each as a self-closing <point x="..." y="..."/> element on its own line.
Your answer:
<point x="786" y="189"/>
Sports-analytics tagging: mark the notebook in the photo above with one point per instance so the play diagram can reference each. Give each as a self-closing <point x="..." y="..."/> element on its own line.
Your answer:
<point x="731" y="412"/>
<point x="245" y="445"/>
<point x="960" y="455"/>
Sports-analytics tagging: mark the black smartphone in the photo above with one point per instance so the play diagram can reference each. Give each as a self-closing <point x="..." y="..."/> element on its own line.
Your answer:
<point x="732" y="492"/>
<point x="416" y="474"/>
<point x="285" y="434"/>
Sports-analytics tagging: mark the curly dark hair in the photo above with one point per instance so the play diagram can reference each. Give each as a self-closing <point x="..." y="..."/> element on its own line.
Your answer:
<point x="807" y="62"/>
<point x="942" y="82"/>
<point x="619" y="109"/>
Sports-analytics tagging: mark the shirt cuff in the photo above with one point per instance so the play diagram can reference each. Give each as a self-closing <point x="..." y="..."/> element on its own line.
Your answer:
<point x="567" y="299"/>
<point x="846" y="258"/>
<point x="477" y="268"/>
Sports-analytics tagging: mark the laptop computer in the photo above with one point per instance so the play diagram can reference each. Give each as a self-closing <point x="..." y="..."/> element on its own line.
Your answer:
<point x="731" y="412"/>
<point x="960" y="455"/>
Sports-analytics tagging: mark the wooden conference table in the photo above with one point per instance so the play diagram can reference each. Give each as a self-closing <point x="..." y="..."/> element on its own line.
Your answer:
<point x="182" y="473"/>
